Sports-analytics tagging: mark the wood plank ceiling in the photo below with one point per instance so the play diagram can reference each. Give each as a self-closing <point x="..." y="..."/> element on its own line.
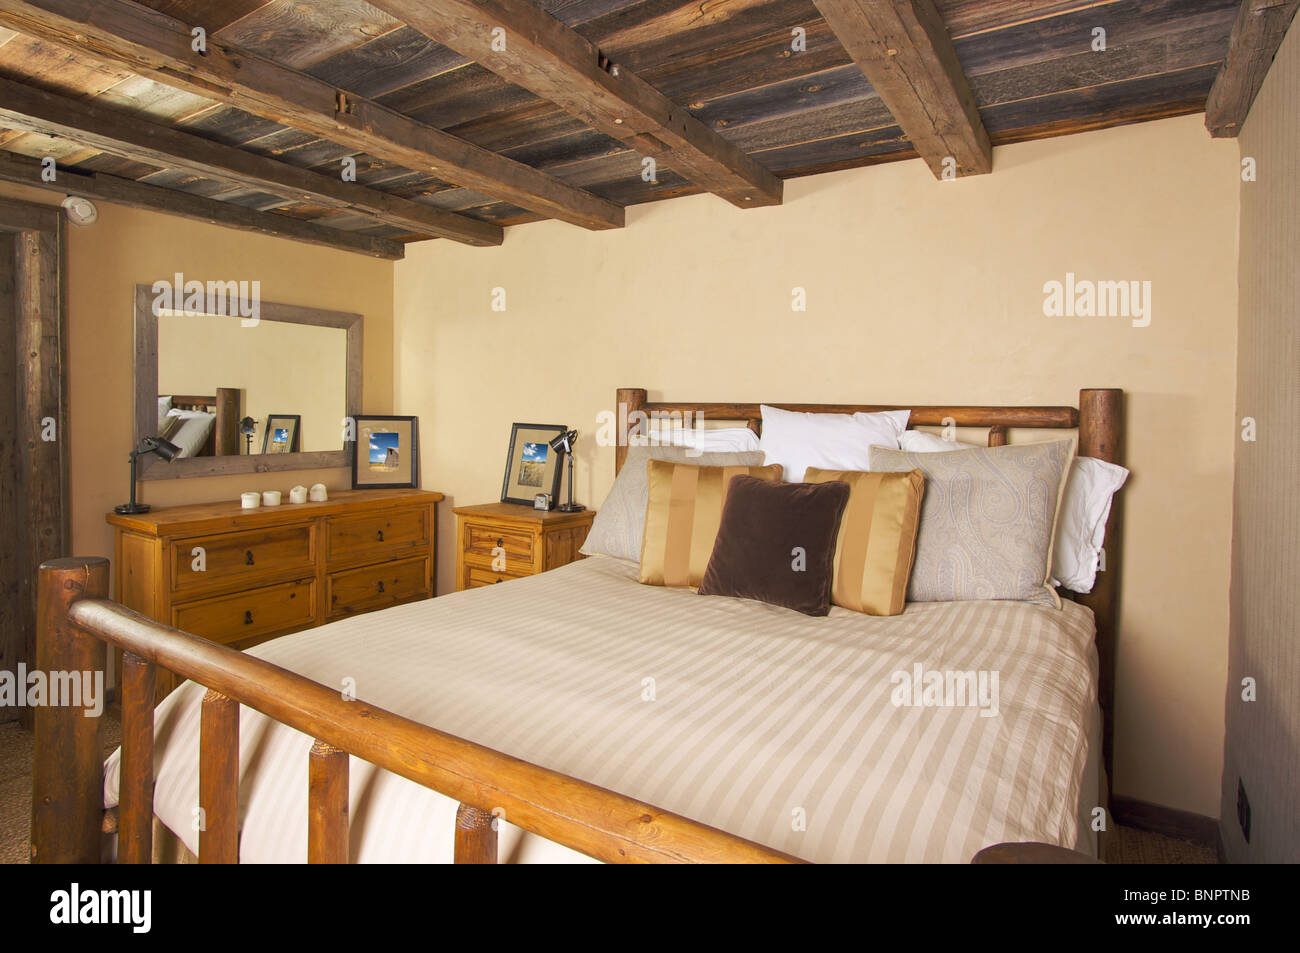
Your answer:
<point x="738" y="94"/>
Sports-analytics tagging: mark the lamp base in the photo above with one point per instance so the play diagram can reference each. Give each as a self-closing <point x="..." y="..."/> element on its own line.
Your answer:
<point x="130" y="509"/>
<point x="570" y="507"/>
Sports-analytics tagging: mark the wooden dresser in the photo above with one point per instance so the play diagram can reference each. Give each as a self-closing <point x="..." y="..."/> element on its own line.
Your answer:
<point x="498" y="542"/>
<point x="241" y="577"/>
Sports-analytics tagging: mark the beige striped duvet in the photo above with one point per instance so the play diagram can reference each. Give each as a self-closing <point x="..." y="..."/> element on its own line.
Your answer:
<point x="775" y="726"/>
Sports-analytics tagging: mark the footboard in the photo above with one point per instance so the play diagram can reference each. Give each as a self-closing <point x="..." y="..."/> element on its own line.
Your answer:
<point x="76" y="621"/>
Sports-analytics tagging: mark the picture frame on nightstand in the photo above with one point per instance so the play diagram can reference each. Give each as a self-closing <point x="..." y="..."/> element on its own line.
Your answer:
<point x="532" y="465"/>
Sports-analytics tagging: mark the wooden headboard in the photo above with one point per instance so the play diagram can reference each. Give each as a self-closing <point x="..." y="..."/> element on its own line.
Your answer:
<point x="224" y="404"/>
<point x="1100" y="422"/>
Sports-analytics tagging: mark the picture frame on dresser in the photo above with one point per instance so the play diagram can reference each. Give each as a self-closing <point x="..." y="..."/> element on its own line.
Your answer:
<point x="387" y="453"/>
<point x="532" y="465"/>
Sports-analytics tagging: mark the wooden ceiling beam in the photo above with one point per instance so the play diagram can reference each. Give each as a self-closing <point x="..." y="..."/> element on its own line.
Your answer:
<point x="904" y="50"/>
<point x="109" y="130"/>
<point x="111" y="188"/>
<point x="1258" y="32"/>
<point x="528" y="47"/>
<point x="158" y="46"/>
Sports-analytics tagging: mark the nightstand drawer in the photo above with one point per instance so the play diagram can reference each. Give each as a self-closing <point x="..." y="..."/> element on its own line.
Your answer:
<point x="248" y="614"/>
<point x="476" y="577"/>
<point x="482" y="539"/>
<point x="239" y="557"/>
<point x="351" y="537"/>
<point x="373" y="587"/>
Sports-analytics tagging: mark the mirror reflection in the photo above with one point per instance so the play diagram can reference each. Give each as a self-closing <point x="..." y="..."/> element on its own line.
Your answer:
<point x="226" y="389"/>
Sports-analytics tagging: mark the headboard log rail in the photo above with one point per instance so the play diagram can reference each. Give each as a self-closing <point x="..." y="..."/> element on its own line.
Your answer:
<point x="76" y="621"/>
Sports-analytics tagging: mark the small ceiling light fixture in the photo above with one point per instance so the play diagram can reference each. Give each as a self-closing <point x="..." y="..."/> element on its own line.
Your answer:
<point x="80" y="211"/>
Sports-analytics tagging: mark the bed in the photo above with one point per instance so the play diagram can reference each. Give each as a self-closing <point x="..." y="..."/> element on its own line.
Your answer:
<point x="201" y="425"/>
<point x="616" y="722"/>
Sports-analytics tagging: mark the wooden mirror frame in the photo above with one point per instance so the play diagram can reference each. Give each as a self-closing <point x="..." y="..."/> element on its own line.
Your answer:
<point x="152" y="467"/>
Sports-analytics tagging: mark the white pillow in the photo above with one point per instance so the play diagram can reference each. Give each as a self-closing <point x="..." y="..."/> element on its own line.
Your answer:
<point x="918" y="441"/>
<point x="719" y="440"/>
<point x="164" y="405"/>
<point x="798" y="440"/>
<point x="193" y="432"/>
<point x="1081" y="522"/>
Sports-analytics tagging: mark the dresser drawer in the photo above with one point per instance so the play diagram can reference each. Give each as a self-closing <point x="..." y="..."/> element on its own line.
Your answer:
<point x="240" y="557"/>
<point x="353" y="537"/>
<point x="475" y="577"/>
<point x="373" y="587"/>
<point x="482" y="539"/>
<point x="245" y="615"/>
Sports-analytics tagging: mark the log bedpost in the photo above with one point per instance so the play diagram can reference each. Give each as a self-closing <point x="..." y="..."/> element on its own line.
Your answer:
<point x="627" y="401"/>
<point x="327" y="800"/>
<point x="68" y="770"/>
<point x="1101" y="435"/>
<point x="476" y="838"/>
<point x="219" y="780"/>
<point x="135" y="789"/>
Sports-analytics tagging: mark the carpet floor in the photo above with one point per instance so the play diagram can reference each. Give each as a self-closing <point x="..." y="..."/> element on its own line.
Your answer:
<point x="1130" y="846"/>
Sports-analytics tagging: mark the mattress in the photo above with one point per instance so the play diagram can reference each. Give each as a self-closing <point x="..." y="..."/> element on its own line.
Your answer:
<point x="797" y="732"/>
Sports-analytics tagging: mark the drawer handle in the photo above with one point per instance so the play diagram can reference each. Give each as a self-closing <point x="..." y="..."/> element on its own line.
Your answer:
<point x="381" y="585"/>
<point x="500" y="541"/>
<point x="248" y="617"/>
<point x="381" y="535"/>
<point x="500" y="580"/>
<point x="248" y="557"/>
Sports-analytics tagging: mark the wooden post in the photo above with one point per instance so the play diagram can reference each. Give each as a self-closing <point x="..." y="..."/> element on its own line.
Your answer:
<point x="997" y="436"/>
<point x="67" y="773"/>
<point x="135" y="788"/>
<point x="476" y="838"/>
<point x="627" y="401"/>
<point x="327" y="800"/>
<point x="1101" y="435"/>
<point x="219" y="780"/>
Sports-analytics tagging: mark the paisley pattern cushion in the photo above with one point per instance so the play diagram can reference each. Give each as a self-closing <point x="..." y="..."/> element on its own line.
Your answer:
<point x="987" y="520"/>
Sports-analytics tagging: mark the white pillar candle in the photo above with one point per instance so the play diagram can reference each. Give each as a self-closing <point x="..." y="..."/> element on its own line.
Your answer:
<point x="298" y="494"/>
<point x="318" y="494"/>
<point x="250" y="501"/>
<point x="271" y="498"/>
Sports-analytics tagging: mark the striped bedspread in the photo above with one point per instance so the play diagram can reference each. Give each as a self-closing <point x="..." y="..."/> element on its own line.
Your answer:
<point x="840" y="739"/>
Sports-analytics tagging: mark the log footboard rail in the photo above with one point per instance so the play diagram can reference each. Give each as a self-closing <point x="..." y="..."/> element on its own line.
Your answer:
<point x="76" y="623"/>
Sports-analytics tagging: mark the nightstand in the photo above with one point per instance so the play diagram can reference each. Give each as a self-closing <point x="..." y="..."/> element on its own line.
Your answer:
<point x="497" y="542"/>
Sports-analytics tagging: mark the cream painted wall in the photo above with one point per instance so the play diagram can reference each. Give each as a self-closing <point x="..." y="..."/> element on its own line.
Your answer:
<point x="917" y="291"/>
<point x="126" y="247"/>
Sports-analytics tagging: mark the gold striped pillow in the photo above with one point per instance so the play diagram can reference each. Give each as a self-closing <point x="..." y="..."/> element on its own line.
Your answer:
<point x="877" y="539"/>
<point x="682" y="518"/>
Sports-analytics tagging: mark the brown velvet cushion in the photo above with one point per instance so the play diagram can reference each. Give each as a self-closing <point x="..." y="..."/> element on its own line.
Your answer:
<point x="776" y="543"/>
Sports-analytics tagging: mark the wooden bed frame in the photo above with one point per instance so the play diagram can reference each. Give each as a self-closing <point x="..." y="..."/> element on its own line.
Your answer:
<point x="76" y="622"/>
<point x="224" y="404"/>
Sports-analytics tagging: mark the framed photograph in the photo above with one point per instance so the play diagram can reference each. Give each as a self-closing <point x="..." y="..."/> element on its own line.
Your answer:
<point x="387" y="453"/>
<point x="281" y="433"/>
<point x="532" y="467"/>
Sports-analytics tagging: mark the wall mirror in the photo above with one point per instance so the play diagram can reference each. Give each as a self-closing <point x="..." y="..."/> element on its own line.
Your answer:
<point x="239" y="395"/>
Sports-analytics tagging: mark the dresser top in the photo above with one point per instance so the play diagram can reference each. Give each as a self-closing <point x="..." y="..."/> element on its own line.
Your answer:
<point x="227" y="515"/>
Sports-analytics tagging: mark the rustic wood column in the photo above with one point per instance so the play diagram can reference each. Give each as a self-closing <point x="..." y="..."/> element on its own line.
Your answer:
<point x="68" y="770"/>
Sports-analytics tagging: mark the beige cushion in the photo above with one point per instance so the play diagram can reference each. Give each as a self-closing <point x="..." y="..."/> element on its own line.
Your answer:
<point x="620" y="521"/>
<point x="987" y="522"/>
<point x="877" y="538"/>
<point x="682" y="518"/>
